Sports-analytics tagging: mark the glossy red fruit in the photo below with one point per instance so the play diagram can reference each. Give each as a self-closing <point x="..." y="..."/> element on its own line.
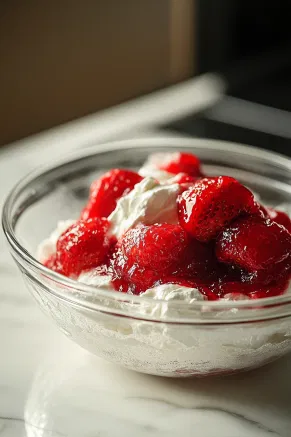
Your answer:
<point x="279" y="217"/>
<point x="159" y="247"/>
<point x="83" y="246"/>
<point x="146" y="254"/>
<point x="199" y="263"/>
<point x="255" y="244"/>
<point x="106" y="190"/>
<point x="211" y="204"/>
<point x="269" y="274"/>
<point x="177" y="162"/>
<point x="129" y="277"/>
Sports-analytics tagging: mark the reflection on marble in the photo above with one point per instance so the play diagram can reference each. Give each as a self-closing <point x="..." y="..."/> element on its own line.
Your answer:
<point x="80" y="394"/>
<point x="50" y="387"/>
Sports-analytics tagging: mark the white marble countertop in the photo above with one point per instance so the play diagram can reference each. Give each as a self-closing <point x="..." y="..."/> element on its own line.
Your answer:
<point x="50" y="387"/>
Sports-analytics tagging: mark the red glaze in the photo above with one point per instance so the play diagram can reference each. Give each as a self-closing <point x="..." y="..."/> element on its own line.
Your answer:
<point x="105" y="192"/>
<point x="211" y="204"/>
<point x="253" y="291"/>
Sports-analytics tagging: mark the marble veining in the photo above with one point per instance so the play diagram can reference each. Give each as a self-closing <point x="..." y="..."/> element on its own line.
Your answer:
<point x="50" y="387"/>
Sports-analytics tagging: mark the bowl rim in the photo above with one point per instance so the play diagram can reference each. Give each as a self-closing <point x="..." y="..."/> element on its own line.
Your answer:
<point x="84" y="291"/>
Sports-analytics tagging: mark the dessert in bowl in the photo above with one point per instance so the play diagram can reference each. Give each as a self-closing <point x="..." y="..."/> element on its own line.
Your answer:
<point x="171" y="267"/>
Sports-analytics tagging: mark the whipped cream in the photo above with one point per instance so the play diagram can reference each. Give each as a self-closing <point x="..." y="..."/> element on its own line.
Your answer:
<point x="48" y="246"/>
<point x="151" y="167"/>
<point x="148" y="203"/>
<point x="162" y="294"/>
<point x="166" y="293"/>
<point x="93" y="277"/>
<point x="160" y="175"/>
<point x="173" y="292"/>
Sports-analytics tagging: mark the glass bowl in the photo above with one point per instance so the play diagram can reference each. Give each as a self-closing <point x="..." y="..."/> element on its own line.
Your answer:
<point x="200" y="338"/>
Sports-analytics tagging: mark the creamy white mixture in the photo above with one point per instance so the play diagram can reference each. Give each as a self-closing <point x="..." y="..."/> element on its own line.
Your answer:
<point x="151" y="167"/>
<point x="148" y="203"/>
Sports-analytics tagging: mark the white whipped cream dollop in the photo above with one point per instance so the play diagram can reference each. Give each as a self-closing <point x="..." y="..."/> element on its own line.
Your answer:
<point x="151" y="167"/>
<point x="48" y="246"/>
<point x="148" y="203"/>
<point x="161" y="294"/>
<point x="165" y="293"/>
<point x="93" y="277"/>
<point x="160" y="175"/>
<point x="173" y="292"/>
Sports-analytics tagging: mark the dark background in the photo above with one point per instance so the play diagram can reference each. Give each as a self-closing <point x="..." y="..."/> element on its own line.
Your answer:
<point x="248" y="42"/>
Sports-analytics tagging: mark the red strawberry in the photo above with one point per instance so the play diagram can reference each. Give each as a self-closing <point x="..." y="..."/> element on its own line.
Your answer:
<point x="129" y="277"/>
<point x="146" y="254"/>
<point x="159" y="247"/>
<point x="211" y="204"/>
<point x="149" y="254"/>
<point x="280" y="217"/>
<point x="268" y="275"/>
<point x="177" y="162"/>
<point x="255" y="244"/>
<point x="83" y="246"/>
<point x="105" y="192"/>
<point x="199" y="263"/>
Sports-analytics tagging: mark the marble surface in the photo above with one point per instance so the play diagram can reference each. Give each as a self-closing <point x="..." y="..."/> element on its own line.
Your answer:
<point x="50" y="387"/>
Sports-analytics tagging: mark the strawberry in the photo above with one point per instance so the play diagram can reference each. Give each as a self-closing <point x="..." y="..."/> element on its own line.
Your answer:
<point x="177" y="162"/>
<point x="146" y="254"/>
<point x="211" y="204"/>
<point x="199" y="263"/>
<point x="83" y="246"/>
<point x="159" y="247"/>
<point x="258" y="245"/>
<point x="106" y="190"/>
<point x="129" y="277"/>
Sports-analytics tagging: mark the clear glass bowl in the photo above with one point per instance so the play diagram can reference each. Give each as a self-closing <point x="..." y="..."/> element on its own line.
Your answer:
<point x="201" y="338"/>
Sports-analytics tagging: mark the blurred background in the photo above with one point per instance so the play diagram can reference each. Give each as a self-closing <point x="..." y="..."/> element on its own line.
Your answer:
<point x="62" y="60"/>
